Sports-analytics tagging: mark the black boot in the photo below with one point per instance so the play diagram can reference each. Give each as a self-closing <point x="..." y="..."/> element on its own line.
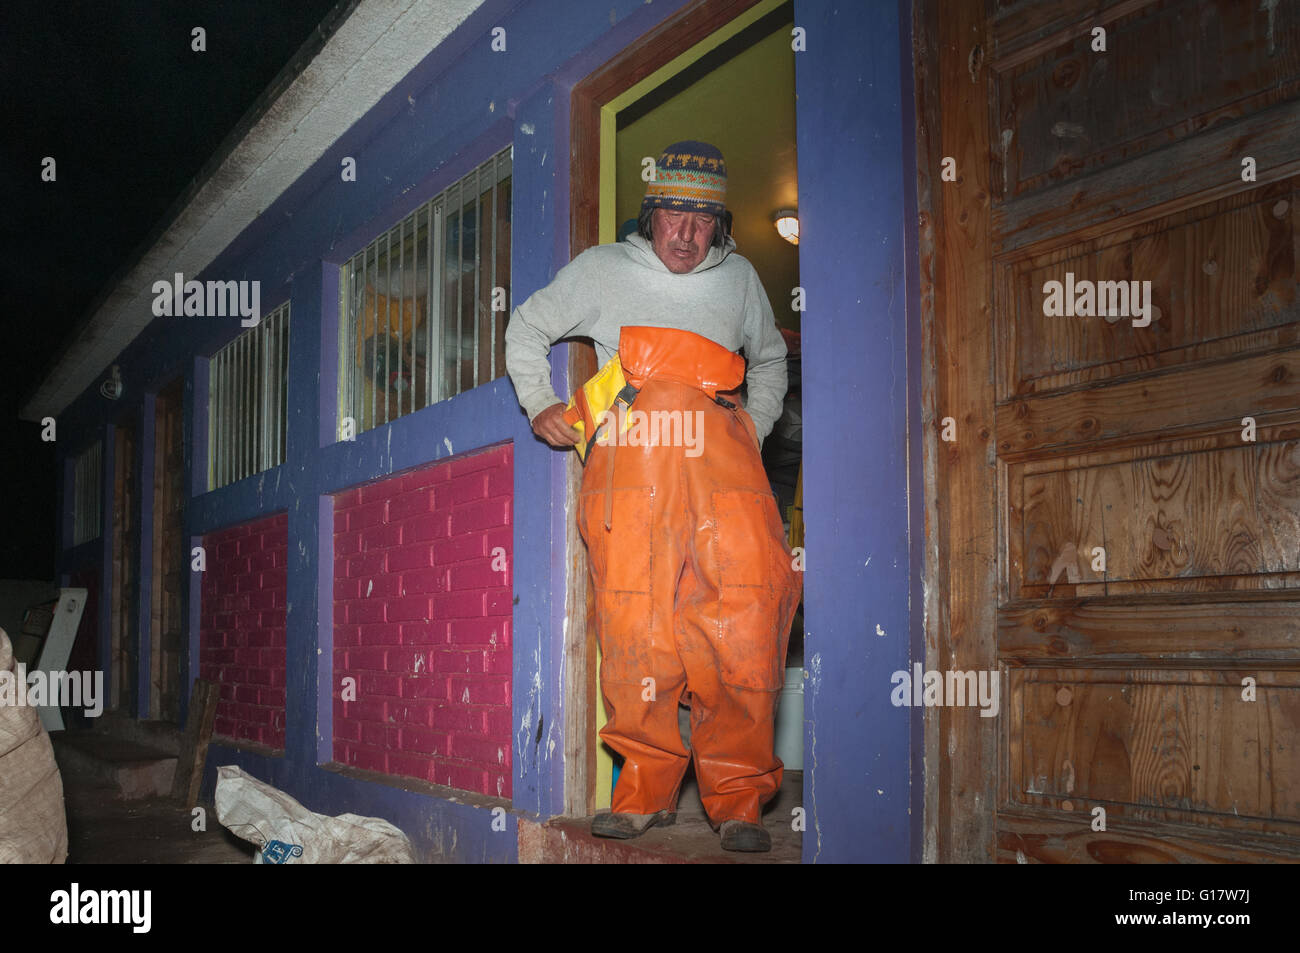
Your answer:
<point x="743" y="836"/>
<point x="627" y="826"/>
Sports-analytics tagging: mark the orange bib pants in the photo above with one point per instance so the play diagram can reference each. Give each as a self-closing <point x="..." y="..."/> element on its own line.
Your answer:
<point x="695" y="590"/>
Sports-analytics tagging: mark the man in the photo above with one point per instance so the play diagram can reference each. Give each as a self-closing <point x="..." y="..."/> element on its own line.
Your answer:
<point x="695" y="590"/>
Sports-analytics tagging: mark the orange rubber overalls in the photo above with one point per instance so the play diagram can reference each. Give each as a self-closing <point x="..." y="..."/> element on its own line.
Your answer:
<point x="694" y="586"/>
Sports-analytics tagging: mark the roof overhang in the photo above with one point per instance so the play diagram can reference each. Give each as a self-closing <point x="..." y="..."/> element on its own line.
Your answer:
<point x="356" y="56"/>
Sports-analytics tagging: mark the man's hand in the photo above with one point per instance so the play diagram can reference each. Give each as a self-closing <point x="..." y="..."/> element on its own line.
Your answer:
<point x="550" y="426"/>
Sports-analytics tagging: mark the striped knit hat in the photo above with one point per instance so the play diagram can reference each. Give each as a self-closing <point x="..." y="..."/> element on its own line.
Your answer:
<point x="689" y="176"/>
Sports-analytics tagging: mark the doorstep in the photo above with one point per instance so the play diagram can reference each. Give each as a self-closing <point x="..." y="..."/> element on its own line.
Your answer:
<point x="132" y="770"/>
<point x="568" y="840"/>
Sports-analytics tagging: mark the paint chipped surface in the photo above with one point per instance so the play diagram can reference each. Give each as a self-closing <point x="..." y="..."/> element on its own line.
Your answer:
<point x="813" y="675"/>
<point x="529" y="716"/>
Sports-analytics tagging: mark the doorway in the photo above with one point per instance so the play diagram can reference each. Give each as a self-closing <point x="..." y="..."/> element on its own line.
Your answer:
<point x="166" y="630"/>
<point x="723" y="73"/>
<point x="124" y="646"/>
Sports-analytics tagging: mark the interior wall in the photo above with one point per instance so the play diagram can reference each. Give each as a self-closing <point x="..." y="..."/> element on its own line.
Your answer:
<point x="745" y="106"/>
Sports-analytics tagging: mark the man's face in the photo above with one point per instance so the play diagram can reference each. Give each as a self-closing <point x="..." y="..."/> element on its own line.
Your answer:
<point x="682" y="239"/>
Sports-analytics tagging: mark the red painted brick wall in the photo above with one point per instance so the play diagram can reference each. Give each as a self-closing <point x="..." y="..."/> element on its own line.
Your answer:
<point x="422" y="623"/>
<point x="242" y="628"/>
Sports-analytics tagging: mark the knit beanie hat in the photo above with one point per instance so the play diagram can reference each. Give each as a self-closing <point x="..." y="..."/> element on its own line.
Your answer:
<point x="690" y="176"/>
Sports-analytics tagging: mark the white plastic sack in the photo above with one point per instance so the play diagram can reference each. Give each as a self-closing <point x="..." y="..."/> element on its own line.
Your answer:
<point x="287" y="833"/>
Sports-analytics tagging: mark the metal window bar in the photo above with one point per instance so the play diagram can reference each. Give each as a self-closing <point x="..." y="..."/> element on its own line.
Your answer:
<point x="87" y="500"/>
<point x="373" y="304"/>
<point x="496" y="165"/>
<point x="243" y="407"/>
<point x="218" y="385"/>
<point x="214" y="414"/>
<point x="388" y="304"/>
<point x="401" y="310"/>
<point x="437" y="378"/>
<point x="478" y="245"/>
<point x="448" y="344"/>
<point x="248" y="402"/>
<point x="459" y="285"/>
<point x="263" y="402"/>
<point x="282" y="414"/>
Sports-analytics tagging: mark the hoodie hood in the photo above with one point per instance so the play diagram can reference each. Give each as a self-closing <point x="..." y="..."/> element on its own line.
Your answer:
<point x="642" y="251"/>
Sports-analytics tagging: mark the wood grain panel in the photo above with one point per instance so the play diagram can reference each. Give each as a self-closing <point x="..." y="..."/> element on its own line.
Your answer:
<point x="1189" y="172"/>
<point x="1126" y="165"/>
<point x="1231" y="512"/>
<point x="1058" y="115"/>
<point x="170" y="556"/>
<point x="1223" y="281"/>
<point x="1035" y="838"/>
<point x="1155" y="627"/>
<point x="1204" y="399"/>
<point x="1160" y="744"/>
<point x="1022" y="28"/>
<point x="963" y="390"/>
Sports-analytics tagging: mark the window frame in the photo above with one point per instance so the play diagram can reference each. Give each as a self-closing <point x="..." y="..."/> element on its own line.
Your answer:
<point x="363" y="275"/>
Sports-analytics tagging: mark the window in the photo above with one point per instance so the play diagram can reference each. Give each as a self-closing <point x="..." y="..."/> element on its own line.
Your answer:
<point x="88" y="496"/>
<point x="247" y="401"/>
<point x="402" y="348"/>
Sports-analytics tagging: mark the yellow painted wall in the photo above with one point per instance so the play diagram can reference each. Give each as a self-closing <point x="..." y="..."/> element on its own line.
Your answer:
<point x="746" y="108"/>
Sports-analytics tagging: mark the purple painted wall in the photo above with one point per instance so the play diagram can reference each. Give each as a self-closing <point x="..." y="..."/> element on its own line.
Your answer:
<point x="433" y="127"/>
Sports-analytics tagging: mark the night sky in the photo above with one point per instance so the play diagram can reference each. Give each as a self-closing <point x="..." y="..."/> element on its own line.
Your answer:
<point x="113" y="91"/>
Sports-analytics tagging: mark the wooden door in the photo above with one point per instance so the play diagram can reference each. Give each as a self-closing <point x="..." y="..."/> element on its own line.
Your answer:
<point x="1116" y="525"/>
<point x="170" y="559"/>
<point x="126" y="583"/>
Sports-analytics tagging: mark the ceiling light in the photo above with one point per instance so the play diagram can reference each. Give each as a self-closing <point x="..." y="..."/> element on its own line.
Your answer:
<point x="787" y="224"/>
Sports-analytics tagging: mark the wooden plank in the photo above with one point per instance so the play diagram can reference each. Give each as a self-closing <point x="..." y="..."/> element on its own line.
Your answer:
<point x="1223" y="281"/>
<point x="1207" y="398"/>
<point x="962" y="359"/>
<point x="925" y="39"/>
<point x="1058" y="106"/>
<point x="194" y="743"/>
<point x="1192" y="171"/>
<point x="1219" y="513"/>
<point x="1126" y="681"/>
<point x="1156" y="627"/>
<point x="1025" y="838"/>
<point x="1203" y="586"/>
<point x="1150" y="743"/>
<point x="1024" y="29"/>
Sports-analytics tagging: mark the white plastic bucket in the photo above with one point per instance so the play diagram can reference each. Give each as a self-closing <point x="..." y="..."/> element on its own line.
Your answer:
<point x="789" y="721"/>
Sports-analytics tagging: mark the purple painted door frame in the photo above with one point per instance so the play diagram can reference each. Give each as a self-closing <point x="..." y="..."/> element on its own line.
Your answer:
<point x="861" y="401"/>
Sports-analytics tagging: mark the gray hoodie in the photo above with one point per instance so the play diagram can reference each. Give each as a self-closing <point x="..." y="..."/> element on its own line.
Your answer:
<point x="608" y="286"/>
